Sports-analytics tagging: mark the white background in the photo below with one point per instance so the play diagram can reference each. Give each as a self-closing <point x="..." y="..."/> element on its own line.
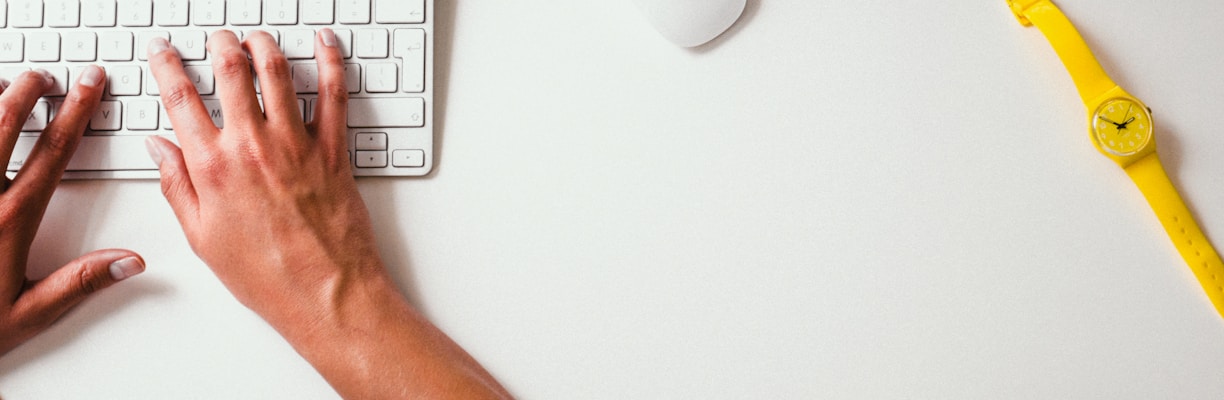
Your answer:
<point x="837" y="199"/>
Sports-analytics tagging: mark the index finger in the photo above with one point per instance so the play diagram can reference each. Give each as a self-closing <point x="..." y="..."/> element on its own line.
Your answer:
<point x="44" y="167"/>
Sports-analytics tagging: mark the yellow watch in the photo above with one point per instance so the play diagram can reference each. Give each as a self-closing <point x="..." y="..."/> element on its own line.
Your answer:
<point x="1120" y="126"/>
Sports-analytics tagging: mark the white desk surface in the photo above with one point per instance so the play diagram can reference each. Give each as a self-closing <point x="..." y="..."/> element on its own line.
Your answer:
<point x="838" y="199"/>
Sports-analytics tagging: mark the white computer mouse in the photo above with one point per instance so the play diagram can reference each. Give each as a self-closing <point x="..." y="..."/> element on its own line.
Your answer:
<point x="689" y="23"/>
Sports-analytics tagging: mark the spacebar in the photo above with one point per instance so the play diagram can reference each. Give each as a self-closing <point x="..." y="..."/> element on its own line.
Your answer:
<point x="95" y="153"/>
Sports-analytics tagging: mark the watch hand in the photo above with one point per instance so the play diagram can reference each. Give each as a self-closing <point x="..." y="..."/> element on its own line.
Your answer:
<point x="1108" y="120"/>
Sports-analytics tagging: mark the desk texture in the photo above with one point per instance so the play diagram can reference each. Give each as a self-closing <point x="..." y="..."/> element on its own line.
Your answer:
<point x="838" y="199"/>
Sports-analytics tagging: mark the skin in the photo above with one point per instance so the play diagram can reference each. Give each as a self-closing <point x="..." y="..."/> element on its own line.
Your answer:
<point x="29" y="307"/>
<point x="269" y="203"/>
<point x="303" y="256"/>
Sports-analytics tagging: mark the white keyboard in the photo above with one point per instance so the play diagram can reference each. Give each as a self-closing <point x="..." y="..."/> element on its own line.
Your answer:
<point x="388" y="45"/>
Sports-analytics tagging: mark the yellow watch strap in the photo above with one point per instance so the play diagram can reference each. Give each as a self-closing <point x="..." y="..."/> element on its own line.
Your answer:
<point x="1149" y="175"/>
<point x="1089" y="77"/>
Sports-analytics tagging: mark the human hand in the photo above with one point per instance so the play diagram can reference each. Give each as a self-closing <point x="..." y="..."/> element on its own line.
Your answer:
<point x="29" y="307"/>
<point x="270" y="204"/>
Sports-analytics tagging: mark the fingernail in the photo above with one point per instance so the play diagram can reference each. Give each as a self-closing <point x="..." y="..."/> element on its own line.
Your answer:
<point x="126" y="268"/>
<point x="50" y="79"/>
<point x="154" y="151"/>
<point x="91" y="76"/>
<point x="4" y="84"/>
<point x="158" y="45"/>
<point x="329" y="37"/>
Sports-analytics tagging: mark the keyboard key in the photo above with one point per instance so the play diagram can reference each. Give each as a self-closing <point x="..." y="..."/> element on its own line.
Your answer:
<point x="386" y="112"/>
<point x="3" y="14"/>
<point x="26" y="13"/>
<point x="208" y="12"/>
<point x="76" y="72"/>
<point x="399" y="11"/>
<point x="123" y="80"/>
<point x="353" y="11"/>
<point x="244" y="12"/>
<point x="381" y="78"/>
<point x="202" y="77"/>
<point x="142" y="42"/>
<point x="190" y="44"/>
<point x="11" y="73"/>
<point x="61" y="81"/>
<point x="165" y="120"/>
<point x="37" y="121"/>
<point x="63" y="13"/>
<point x="115" y="46"/>
<point x="371" y="141"/>
<point x="80" y="46"/>
<point x="282" y="12"/>
<point x="371" y="159"/>
<point x="136" y="13"/>
<point x="352" y="77"/>
<point x="318" y="12"/>
<point x="372" y="43"/>
<point x="408" y="158"/>
<point x="94" y="153"/>
<point x="299" y="44"/>
<point x="106" y="117"/>
<point x="12" y="47"/>
<point x="171" y="13"/>
<point x="43" y="46"/>
<point x="214" y="111"/>
<point x="344" y="38"/>
<point x="306" y="78"/>
<point x="141" y="115"/>
<point x="410" y="46"/>
<point x="151" y="87"/>
<point x="98" y="13"/>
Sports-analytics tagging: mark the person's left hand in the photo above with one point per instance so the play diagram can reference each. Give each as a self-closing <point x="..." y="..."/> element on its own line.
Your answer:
<point x="28" y="307"/>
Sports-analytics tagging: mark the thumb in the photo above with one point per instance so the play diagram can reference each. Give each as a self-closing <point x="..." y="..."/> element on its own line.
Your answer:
<point x="175" y="181"/>
<point x="44" y="301"/>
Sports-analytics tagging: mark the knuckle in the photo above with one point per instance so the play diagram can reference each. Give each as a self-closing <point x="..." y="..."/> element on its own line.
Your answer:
<point x="178" y="95"/>
<point x="87" y="282"/>
<point x="172" y="185"/>
<point x="231" y="63"/>
<point x="275" y="66"/>
<point x="10" y="215"/>
<point x="335" y="90"/>
<point x="59" y="141"/>
<point x="9" y="117"/>
<point x="210" y="168"/>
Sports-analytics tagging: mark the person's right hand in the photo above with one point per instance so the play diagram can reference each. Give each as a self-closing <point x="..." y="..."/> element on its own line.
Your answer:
<point x="270" y="204"/>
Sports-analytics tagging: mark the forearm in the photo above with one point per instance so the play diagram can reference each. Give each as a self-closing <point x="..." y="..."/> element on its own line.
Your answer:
<point x="371" y="344"/>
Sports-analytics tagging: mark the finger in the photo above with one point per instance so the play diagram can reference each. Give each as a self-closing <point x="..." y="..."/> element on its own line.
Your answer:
<point x="179" y="96"/>
<point x="234" y="84"/>
<point x="175" y="181"/>
<point x="16" y="103"/>
<point x="45" y="165"/>
<point x="275" y="80"/>
<point x="46" y="300"/>
<point x="331" y="108"/>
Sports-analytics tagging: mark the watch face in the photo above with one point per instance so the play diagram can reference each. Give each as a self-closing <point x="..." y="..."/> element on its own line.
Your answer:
<point x="1122" y="127"/>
